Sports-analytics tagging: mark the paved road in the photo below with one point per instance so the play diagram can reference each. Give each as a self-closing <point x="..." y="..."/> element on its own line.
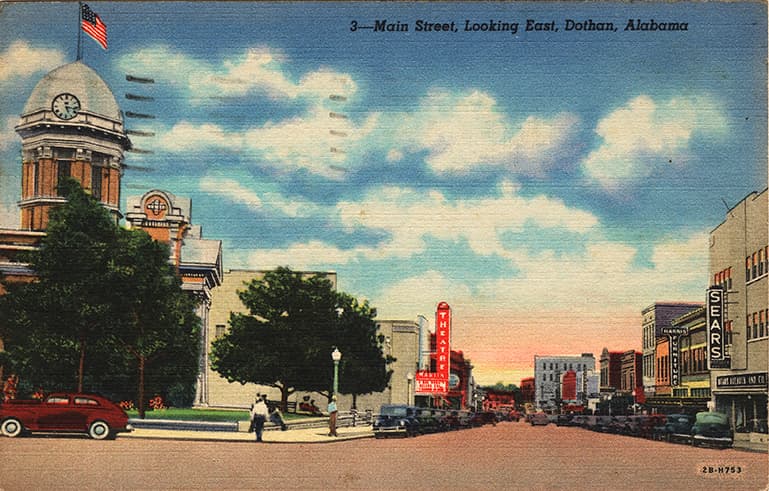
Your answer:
<point x="507" y="456"/>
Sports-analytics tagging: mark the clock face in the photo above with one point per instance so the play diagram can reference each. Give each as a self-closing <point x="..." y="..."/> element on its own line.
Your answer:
<point x="65" y="106"/>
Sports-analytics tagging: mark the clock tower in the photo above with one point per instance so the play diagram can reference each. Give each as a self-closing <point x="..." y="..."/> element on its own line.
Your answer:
<point x="71" y="126"/>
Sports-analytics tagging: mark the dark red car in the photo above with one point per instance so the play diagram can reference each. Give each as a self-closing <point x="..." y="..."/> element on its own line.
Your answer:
<point x="100" y="418"/>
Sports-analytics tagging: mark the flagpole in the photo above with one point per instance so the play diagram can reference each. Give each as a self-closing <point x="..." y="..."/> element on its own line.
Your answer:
<point x="79" y="30"/>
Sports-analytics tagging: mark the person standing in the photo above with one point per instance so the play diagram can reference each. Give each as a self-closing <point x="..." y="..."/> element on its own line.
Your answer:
<point x="332" y="411"/>
<point x="259" y="414"/>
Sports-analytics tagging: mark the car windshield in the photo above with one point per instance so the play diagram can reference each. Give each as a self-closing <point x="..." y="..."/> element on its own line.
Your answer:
<point x="393" y="411"/>
<point x="712" y="418"/>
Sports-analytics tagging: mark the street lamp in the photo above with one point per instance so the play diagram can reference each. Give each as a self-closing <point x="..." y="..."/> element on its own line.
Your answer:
<point x="409" y="380"/>
<point x="336" y="355"/>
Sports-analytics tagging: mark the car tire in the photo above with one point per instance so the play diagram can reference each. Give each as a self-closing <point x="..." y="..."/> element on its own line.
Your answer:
<point x="12" y="427"/>
<point x="99" y="430"/>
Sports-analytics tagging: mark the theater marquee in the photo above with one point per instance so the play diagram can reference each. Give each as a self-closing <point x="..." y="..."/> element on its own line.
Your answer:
<point x="437" y="382"/>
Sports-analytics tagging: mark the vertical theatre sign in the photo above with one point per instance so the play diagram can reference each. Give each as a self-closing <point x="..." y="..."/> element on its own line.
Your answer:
<point x="437" y="382"/>
<point x="715" y="322"/>
<point x="674" y="334"/>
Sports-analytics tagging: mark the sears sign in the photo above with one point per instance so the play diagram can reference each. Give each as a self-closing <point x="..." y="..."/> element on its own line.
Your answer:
<point x="715" y="322"/>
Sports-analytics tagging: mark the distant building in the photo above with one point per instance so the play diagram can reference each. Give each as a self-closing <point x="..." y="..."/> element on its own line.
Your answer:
<point x="548" y="373"/>
<point x="631" y="379"/>
<point x="611" y="371"/>
<point x="739" y="263"/>
<point x="527" y="390"/>
<point x="655" y="318"/>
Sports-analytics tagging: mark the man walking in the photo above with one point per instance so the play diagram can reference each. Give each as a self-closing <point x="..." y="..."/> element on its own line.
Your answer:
<point x="332" y="417"/>
<point x="259" y="414"/>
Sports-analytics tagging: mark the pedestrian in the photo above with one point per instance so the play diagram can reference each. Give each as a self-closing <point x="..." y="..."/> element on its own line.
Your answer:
<point x="332" y="416"/>
<point x="259" y="415"/>
<point x="277" y="418"/>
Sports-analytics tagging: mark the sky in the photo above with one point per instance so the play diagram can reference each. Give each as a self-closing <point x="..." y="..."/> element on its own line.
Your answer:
<point x="547" y="184"/>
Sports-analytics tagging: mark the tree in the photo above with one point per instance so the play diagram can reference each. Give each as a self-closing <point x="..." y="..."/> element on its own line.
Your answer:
<point x="69" y="305"/>
<point x="363" y="369"/>
<point x="157" y="327"/>
<point x="106" y="305"/>
<point x="286" y="338"/>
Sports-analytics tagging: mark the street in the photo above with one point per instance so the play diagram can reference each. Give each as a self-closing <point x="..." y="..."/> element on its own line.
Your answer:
<point x="505" y="456"/>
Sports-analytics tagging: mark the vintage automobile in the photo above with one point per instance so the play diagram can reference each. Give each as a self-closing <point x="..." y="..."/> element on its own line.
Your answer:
<point x="677" y="427"/>
<point x="430" y="420"/>
<point x="396" y="419"/>
<point x="92" y="414"/>
<point x="480" y="418"/>
<point x="712" y="428"/>
<point x="539" y="418"/>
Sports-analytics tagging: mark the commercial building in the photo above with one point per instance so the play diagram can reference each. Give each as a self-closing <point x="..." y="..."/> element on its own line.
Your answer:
<point x="548" y="374"/>
<point x="739" y="267"/>
<point x="688" y="388"/>
<point x="631" y="376"/>
<point x="655" y="318"/>
<point x="611" y="371"/>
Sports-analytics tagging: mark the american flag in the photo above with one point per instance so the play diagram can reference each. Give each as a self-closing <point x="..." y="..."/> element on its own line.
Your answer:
<point x="93" y="26"/>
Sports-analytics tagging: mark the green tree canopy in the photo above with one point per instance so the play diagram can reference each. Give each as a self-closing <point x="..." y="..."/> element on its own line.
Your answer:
<point x="293" y="324"/>
<point x="107" y="312"/>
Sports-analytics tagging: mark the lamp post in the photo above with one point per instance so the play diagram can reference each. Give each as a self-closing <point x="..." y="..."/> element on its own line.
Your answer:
<point x="336" y="355"/>
<point x="410" y="381"/>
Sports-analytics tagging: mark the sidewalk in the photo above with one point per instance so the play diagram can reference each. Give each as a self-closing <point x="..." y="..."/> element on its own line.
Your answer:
<point x="297" y="435"/>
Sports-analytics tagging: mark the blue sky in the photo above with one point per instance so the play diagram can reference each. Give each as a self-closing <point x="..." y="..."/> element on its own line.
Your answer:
<point x="547" y="185"/>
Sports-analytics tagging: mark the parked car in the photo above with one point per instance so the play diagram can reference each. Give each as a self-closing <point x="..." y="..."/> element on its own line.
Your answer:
<point x="677" y="427"/>
<point x="616" y="425"/>
<point x="564" y="419"/>
<point x="598" y="423"/>
<point x="480" y="418"/>
<point x="514" y="415"/>
<point x="712" y="428"/>
<point x="396" y="419"/>
<point x="92" y="414"/>
<point x="430" y="420"/>
<point x="539" y="418"/>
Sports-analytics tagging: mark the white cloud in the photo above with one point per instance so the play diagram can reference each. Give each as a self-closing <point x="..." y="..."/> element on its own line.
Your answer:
<point x="258" y="69"/>
<point x="21" y="59"/>
<point x="644" y="135"/>
<point x="231" y="190"/>
<point x="411" y="216"/>
<point x="466" y="131"/>
<point x="237" y="191"/>
<point x="303" y="142"/>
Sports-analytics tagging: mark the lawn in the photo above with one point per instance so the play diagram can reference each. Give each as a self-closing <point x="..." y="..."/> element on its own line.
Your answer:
<point x="189" y="414"/>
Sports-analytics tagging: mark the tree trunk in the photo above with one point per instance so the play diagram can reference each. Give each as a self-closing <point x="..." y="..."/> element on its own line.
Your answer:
<point x="81" y="365"/>
<point x="355" y="401"/>
<point x="141" y="387"/>
<point x="284" y="393"/>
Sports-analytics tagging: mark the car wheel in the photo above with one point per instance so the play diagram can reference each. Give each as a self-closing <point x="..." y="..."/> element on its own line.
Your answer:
<point x="99" y="430"/>
<point x="12" y="427"/>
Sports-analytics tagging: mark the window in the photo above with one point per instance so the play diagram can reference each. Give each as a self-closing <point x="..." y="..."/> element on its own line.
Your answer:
<point x="62" y="172"/>
<point x="96" y="182"/>
<point x="748" y="264"/>
<point x="220" y="330"/>
<point x="57" y="400"/>
<point x="761" y="320"/>
<point x="755" y="324"/>
<point x="748" y="326"/>
<point x="86" y="401"/>
<point x="760" y="262"/>
<point x="36" y="179"/>
<point x="755" y="265"/>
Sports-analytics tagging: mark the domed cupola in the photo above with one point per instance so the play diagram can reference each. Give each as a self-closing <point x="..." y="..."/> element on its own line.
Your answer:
<point x="71" y="127"/>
